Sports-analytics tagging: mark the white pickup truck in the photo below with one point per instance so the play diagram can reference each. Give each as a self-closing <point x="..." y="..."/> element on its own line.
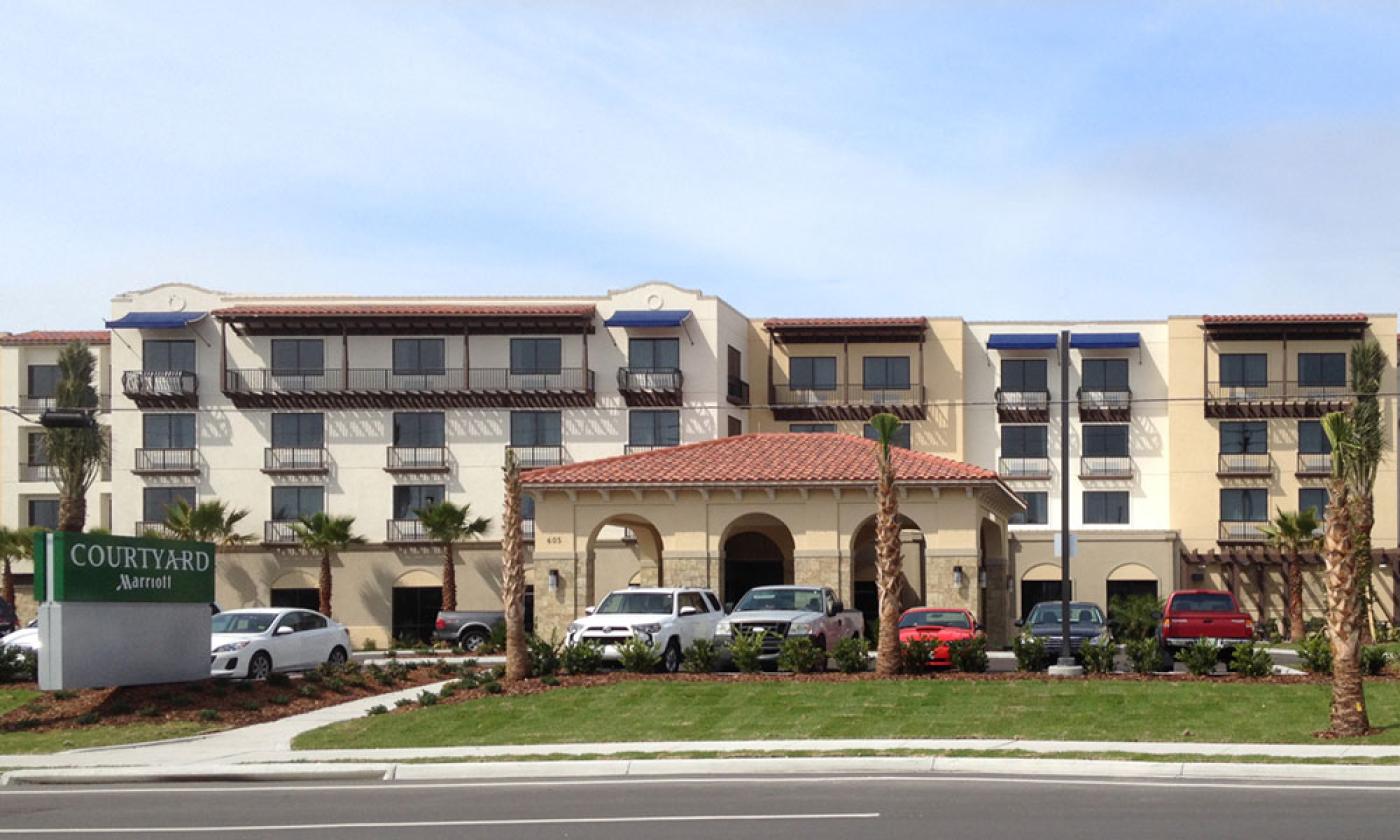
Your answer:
<point x="783" y="612"/>
<point x="668" y="619"/>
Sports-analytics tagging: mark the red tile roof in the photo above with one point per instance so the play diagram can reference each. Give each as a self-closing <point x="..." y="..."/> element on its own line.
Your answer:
<point x="1348" y="318"/>
<point x="764" y="459"/>
<point x="57" y="337"/>
<point x="809" y="323"/>
<point x="409" y="309"/>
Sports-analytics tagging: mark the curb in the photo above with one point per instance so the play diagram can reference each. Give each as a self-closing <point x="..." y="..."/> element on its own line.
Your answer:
<point x="197" y="773"/>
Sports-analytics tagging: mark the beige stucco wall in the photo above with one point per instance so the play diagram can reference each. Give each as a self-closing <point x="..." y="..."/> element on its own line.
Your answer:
<point x="1099" y="555"/>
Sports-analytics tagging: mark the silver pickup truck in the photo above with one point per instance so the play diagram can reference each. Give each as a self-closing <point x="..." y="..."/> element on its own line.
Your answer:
<point x="467" y="630"/>
<point x="783" y="612"/>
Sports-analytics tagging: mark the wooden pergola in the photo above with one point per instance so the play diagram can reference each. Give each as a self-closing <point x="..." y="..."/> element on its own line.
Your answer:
<point x="1258" y="560"/>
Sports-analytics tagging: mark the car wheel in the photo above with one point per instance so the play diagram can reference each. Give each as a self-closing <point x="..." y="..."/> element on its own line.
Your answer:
<point x="671" y="658"/>
<point x="471" y="640"/>
<point x="338" y="656"/>
<point x="259" y="666"/>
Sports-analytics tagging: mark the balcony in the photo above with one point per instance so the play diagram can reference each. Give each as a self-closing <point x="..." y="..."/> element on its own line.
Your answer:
<point x="386" y="388"/>
<point x="31" y="404"/>
<point x="633" y="448"/>
<point x="1239" y="532"/>
<point x="29" y="471"/>
<point x="1274" y="399"/>
<point x="1026" y="468"/>
<point x="650" y="386"/>
<point x="852" y="401"/>
<point x="406" y="532"/>
<point x="417" y="459"/>
<point x="534" y="457"/>
<point x="737" y="392"/>
<point x="1314" y="465"/>
<point x="166" y="462"/>
<point x="295" y="460"/>
<point x="161" y="388"/>
<point x="153" y="529"/>
<point x="1105" y="467"/>
<point x="279" y="532"/>
<point x="1023" y="406"/>
<point x="1245" y="464"/>
<point x="1115" y="406"/>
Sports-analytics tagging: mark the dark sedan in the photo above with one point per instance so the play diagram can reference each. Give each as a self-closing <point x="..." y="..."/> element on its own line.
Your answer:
<point x="1086" y="623"/>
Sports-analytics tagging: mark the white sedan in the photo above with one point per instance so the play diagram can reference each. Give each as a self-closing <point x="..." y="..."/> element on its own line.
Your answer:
<point x="25" y="638"/>
<point x="254" y="643"/>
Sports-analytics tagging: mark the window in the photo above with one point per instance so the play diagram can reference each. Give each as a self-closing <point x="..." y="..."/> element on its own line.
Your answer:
<point x="900" y="438"/>
<point x="156" y="501"/>
<point x="158" y="354"/>
<point x="1105" y="507"/>
<point x="1322" y="369"/>
<point x="298" y="356"/>
<point x="411" y="498"/>
<point x="736" y="427"/>
<point x="811" y="428"/>
<point x="1024" y="442"/>
<point x="654" y="428"/>
<point x="301" y="431"/>
<point x="889" y="373"/>
<point x="1244" y="370"/>
<point x="535" y="355"/>
<point x="1105" y="375"/>
<point x="536" y="428"/>
<point x="1106" y="441"/>
<point x="693" y="600"/>
<point x="419" y="429"/>
<point x="1315" y="498"/>
<point x="43" y="513"/>
<point x="1020" y="375"/>
<point x="168" y="431"/>
<point x="654" y="354"/>
<point x="736" y="363"/>
<point x="292" y="503"/>
<point x="1244" y="505"/>
<point x="43" y="380"/>
<point x="1037" y="510"/>
<point x="419" y="356"/>
<point x="37" y="453"/>
<point x="813" y="373"/>
<point x="1311" y="439"/>
<point x="527" y="507"/>
<point x="1237" y="438"/>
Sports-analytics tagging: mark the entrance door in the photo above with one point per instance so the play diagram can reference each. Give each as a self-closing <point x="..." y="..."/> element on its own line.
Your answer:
<point x="415" y="611"/>
<point x="1035" y="591"/>
<point x="750" y="559"/>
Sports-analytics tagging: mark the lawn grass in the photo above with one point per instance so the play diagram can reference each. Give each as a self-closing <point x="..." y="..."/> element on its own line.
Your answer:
<point x="57" y="740"/>
<point x="659" y="710"/>
<point x="13" y="698"/>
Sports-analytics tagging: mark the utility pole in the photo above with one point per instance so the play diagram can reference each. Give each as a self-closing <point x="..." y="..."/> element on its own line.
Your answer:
<point x="1066" y="666"/>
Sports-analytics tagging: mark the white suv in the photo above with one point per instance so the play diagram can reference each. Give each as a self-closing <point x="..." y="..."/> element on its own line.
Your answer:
<point x="668" y="619"/>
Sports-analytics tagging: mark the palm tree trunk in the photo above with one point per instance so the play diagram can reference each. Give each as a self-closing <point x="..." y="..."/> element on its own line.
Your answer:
<point x="1364" y="517"/>
<point x="7" y="585"/>
<point x="72" y="513"/>
<point x="1293" y="579"/>
<point x="888" y="572"/>
<point x="449" y="580"/>
<point x="1348" y="716"/>
<point x="513" y="577"/>
<point x="326" y="583"/>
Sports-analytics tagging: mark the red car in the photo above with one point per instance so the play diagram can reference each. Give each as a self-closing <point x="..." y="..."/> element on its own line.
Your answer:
<point x="935" y="624"/>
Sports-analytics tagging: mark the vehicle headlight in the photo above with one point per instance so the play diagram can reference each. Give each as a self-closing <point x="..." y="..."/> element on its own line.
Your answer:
<point x="575" y="627"/>
<point x="230" y="647"/>
<point x="724" y="628"/>
<point x="801" y="628"/>
<point x="649" y="629"/>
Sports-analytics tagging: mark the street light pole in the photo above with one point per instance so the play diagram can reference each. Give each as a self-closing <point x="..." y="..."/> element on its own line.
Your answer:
<point x="1066" y="653"/>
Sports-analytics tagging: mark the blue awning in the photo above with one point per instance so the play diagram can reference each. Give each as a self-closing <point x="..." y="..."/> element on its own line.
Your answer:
<point x="1104" y="341"/>
<point x="1022" y="341"/>
<point x="155" y="320"/>
<point x="647" y="318"/>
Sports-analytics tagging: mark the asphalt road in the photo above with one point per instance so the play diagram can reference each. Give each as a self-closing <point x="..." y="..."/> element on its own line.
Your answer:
<point x="712" y="807"/>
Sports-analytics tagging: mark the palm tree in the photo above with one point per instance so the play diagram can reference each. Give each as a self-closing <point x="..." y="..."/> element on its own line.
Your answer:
<point x="513" y="574"/>
<point x="448" y="523"/>
<point x="1292" y="534"/>
<point x="76" y="455"/>
<point x="326" y="535"/>
<point x="212" y="521"/>
<point x="1348" y="715"/>
<point x="888" y="560"/>
<point x="15" y="544"/>
<point x="1367" y="366"/>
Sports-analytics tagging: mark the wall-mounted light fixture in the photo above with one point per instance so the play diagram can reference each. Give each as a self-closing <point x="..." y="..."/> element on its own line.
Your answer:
<point x="982" y="578"/>
<point x="554" y="580"/>
<point x="957" y="577"/>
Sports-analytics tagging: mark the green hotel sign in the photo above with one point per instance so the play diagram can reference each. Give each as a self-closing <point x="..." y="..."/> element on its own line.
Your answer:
<point x="103" y="568"/>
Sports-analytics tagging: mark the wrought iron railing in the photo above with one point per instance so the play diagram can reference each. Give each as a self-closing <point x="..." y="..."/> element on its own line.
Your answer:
<point x="534" y="457"/>
<point x="847" y="394"/>
<point x="1315" y="463"/>
<point x="1245" y="463"/>
<point x="1242" y="531"/>
<point x="1038" y="467"/>
<point x="1023" y="400"/>
<point x="160" y="383"/>
<point x="388" y="380"/>
<point x="166" y="461"/>
<point x="1110" y="466"/>
<point x="408" y="458"/>
<point x="1104" y="400"/>
<point x="406" y="531"/>
<point x="279" y="532"/>
<point x="649" y="379"/>
<point x="295" y="459"/>
<point x="32" y="471"/>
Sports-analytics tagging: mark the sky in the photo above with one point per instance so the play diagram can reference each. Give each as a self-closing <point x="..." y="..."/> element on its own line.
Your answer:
<point x="998" y="161"/>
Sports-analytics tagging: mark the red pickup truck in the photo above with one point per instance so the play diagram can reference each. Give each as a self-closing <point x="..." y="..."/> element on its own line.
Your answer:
<point x="1194" y="614"/>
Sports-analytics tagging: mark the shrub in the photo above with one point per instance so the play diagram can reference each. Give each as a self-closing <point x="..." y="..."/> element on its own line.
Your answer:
<point x="914" y="656"/>
<point x="427" y="698"/>
<point x="1030" y="652"/>
<point x="852" y="655"/>
<point x="89" y="718"/>
<point x="800" y="656"/>
<point x="1251" y="660"/>
<point x="1144" y="655"/>
<point x="492" y="687"/>
<point x="391" y="654"/>
<point x="969" y="655"/>
<point x="369" y="645"/>
<point x="380" y="709"/>
<point x="208" y="714"/>
<point x="700" y="657"/>
<point x="337" y="685"/>
<point x="544" y="656"/>
<point x="1134" y="616"/>
<point x="1373" y="659"/>
<point x="581" y="658"/>
<point x="1316" y="653"/>
<point x="316" y="677"/>
<point x="280" y="699"/>
<point x="18" y="665"/>
<point x="638" y="656"/>
<point x="1098" y="655"/>
<point x="403" y="701"/>
<point x="1314" y="625"/>
<point x="745" y="649"/>
<point x="498" y="635"/>
<point x="308" y="690"/>
<point x="279" y="679"/>
<point x="1200" y="657"/>
<point x="549" y="680"/>
<point x="1267" y="630"/>
<point x="445" y="669"/>
<point x="451" y="689"/>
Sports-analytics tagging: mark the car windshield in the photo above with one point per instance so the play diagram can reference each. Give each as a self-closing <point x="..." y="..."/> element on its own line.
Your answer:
<point x="243" y="622"/>
<point x="804" y="600"/>
<point x="637" y="603"/>
<point x="936" y="618"/>
<point x="1078" y="614"/>
<point x="1204" y="602"/>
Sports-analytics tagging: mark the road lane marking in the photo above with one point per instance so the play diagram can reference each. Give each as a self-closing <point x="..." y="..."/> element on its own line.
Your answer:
<point x="243" y="829"/>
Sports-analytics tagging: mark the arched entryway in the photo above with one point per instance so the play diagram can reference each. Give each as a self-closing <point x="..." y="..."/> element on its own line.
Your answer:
<point x="624" y="550"/>
<point x="1131" y="579"/>
<point x="295" y="589"/>
<point x="417" y="597"/>
<point x="993" y="575"/>
<point x="756" y="550"/>
<point x="864" y="594"/>
<point x="1041" y="583"/>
